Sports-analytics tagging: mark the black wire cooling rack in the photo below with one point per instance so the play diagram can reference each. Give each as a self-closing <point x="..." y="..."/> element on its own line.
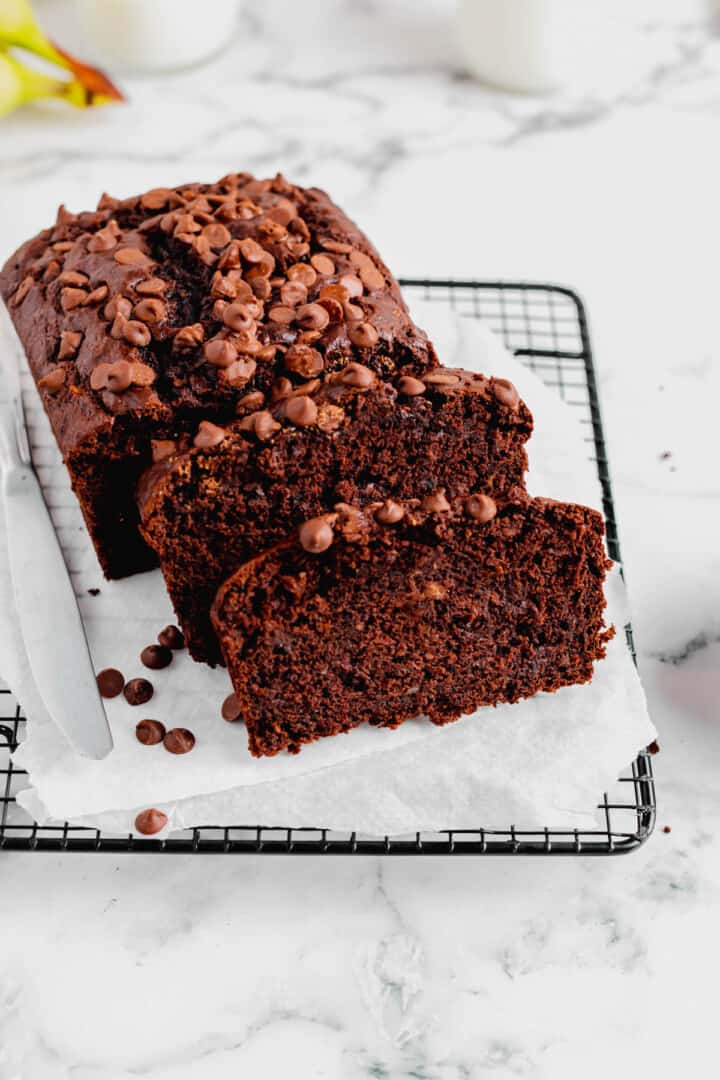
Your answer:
<point x="546" y="327"/>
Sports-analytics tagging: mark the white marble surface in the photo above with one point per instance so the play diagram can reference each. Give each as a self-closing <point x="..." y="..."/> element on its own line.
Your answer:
<point x="433" y="970"/>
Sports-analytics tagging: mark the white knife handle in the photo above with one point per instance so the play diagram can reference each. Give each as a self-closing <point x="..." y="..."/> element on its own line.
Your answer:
<point x="14" y="447"/>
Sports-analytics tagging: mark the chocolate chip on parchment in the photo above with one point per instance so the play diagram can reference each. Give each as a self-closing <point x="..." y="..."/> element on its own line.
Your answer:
<point x="172" y="637"/>
<point x="156" y="657"/>
<point x="150" y="732"/>
<point x="149" y="822"/>
<point x="110" y="682"/>
<point x="179" y="740"/>
<point x="138" y="691"/>
<point x="230" y="709"/>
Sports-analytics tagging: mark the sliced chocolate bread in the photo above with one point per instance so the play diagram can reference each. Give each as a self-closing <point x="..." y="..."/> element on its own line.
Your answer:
<point x="412" y="609"/>
<point x="351" y="436"/>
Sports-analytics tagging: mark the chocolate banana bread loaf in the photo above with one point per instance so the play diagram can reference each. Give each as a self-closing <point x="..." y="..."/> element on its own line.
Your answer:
<point x="408" y="609"/>
<point x="150" y="314"/>
<point x="350" y="435"/>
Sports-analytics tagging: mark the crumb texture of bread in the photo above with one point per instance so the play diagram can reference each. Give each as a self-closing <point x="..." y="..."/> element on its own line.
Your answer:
<point x="436" y="613"/>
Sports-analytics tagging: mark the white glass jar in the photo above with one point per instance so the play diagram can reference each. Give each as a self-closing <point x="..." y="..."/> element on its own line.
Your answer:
<point x="528" y="46"/>
<point x="156" y="35"/>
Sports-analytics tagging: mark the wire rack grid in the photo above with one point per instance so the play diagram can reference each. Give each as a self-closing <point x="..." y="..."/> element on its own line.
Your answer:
<point x="546" y="327"/>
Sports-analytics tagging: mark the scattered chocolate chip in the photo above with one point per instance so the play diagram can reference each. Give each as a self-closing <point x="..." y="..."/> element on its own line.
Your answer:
<point x="390" y="512"/>
<point x="480" y="508"/>
<point x="336" y="246"/>
<point x="72" y="298"/>
<point x="301" y="272"/>
<point x="24" y="288"/>
<point x="250" y="402"/>
<point x="293" y="293"/>
<point x="265" y="425"/>
<point x="110" y="682"/>
<point x="189" y="337"/>
<point x="150" y="732"/>
<point x="282" y="314"/>
<point x="179" y="741"/>
<point x="153" y="286"/>
<point x="654" y="747"/>
<point x="216" y="235"/>
<point x="94" y="592"/>
<point x="301" y="411"/>
<point x="97" y="295"/>
<point x="138" y="691"/>
<point x="156" y="657"/>
<point x="238" y="316"/>
<point x="209" y="435"/>
<point x="505" y="392"/>
<point x="666" y="829"/>
<point x="411" y="387"/>
<point x="352" y="285"/>
<point x="172" y="637"/>
<point x="230" y="709"/>
<point x="117" y="305"/>
<point x="72" y="277"/>
<point x="149" y="822"/>
<point x="150" y="310"/>
<point x="436" y="503"/>
<point x="316" y="535"/>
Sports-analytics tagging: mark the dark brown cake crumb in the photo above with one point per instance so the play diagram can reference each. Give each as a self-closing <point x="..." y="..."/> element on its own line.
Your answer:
<point x="110" y="682"/>
<point x="179" y="741"/>
<point x="138" y="691"/>
<point x="150" y="732"/>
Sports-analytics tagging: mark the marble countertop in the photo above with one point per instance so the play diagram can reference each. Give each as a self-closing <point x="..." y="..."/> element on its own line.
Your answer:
<point x="172" y="968"/>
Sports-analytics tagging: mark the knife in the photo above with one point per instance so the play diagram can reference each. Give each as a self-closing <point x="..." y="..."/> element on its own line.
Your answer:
<point x="50" y="620"/>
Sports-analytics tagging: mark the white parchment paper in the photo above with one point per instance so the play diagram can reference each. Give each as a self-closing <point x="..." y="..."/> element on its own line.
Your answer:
<point x="542" y="761"/>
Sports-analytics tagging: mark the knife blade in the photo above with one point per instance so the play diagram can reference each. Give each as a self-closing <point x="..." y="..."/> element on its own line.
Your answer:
<point x="50" y="621"/>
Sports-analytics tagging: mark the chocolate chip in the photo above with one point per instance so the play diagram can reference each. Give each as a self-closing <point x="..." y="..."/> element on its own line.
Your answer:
<point x="110" y="682"/>
<point x="189" y="337"/>
<point x="371" y="278"/>
<point x="172" y="637"/>
<point x="230" y="709"/>
<point x="131" y="257"/>
<point x="316" y="535"/>
<point x="352" y="285"/>
<point x="161" y="449"/>
<point x="336" y="246"/>
<point x="480" y="508"/>
<point x="216" y="235"/>
<point x="179" y="741"/>
<point x="505" y="392"/>
<point x="282" y="314"/>
<point x="26" y="285"/>
<point x="363" y="334"/>
<point x="150" y="732"/>
<point x="323" y="264"/>
<point x="239" y="372"/>
<point x="220" y="353"/>
<point x="157" y="198"/>
<point x="72" y="277"/>
<point x="97" y="295"/>
<point x="251" y="251"/>
<point x="94" y="592"/>
<point x="209" y="435"/>
<point x="265" y="425"/>
<point x="149" y="822"/>
<point x="115" y="377"/>
<point x="313" y="317"/>
<point x="136" y="333"/>
<point x="250" y="402"/>
<point x="357" y="375"/>
<point x="301" y="411"/>
<point x="118" y="305"/>
<point x="293" y="293"/>
<point x="156" y="657"/>
<point x="151" y="310"/>
<point x="52" y="381"/>
<point x="103" y="240"/>
<point x="238" y="316"/>
<point x="333" y="307"/>
<point x="390" y="512"/>
<point x="72" y="298"/>
<point x="436" y="503"/>
<point x="304" y="360"/>
<point x="138" y="691"/>
<point x="441" y="378"/>
<point x="301" y="272"/>
<point x="153" y="286"/>
<point x="411" y="387"/>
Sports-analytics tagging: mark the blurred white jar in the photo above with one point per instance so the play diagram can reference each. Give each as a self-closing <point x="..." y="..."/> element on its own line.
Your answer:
<point x="528" y="46"/>
<point x="156" y="35"/>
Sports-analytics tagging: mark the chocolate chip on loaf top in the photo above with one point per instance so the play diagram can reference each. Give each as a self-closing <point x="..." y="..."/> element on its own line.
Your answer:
<point x="151" y="313"/>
